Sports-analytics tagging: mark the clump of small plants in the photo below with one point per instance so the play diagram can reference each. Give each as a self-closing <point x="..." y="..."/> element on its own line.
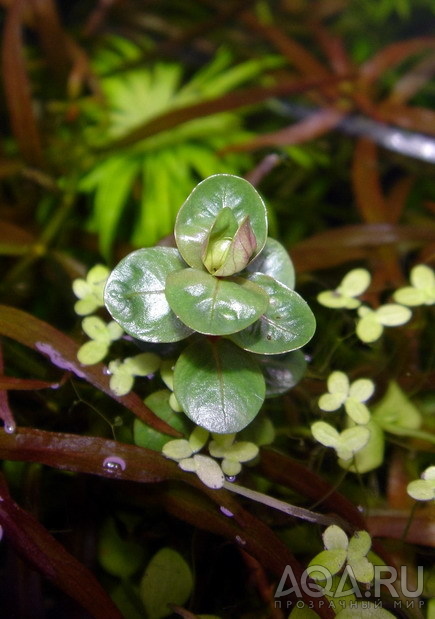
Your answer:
<point x="228" y="290"/>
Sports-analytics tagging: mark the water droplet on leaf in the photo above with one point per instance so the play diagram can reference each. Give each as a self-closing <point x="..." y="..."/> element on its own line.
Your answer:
<point x="226" y="511"/>
<point x="10" y="428"/>
<point x="114" y="464"/>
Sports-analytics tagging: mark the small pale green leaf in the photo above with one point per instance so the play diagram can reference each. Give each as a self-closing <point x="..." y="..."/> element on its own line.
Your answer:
<point x="371" y="456"/>
<point x="282" y="372"/>
<point x="393" y="315"/>
<point x="334" y="537"/>
<point x="143" y="364"/>
<point x="429" y="473"/>
<point x="167" y="580"/>
<point x="409" y="296"/>
<point x="338" y="382"/>
<point x="302" y="611"/>
<point x="175" y="404"/>
<point x="357" y="411"/>
<point x="274" y="261"/>
<point x="121" y="382"/>
<point x="231" y="467"/>
<point x="198" y="438"/>
<point x="242" y="451"/>
<point x="145" y="436"/>
<point x="368" y="327"/>
<point x="96" y="329"/>
<point x="351" y="441"/>
<point x="362" y="389"/>
<point x="287" y="324"/>
<point x="362" y="569"/>
<point x="355" y="283"/>
<point x="214" y="306"/>
<point x="335" y="300"/>
<point x="331" y="401"/>
<point x="167" y="372"/>
<point x="92" y="352"/>
<point x="396" y="409"/>
<point x="119" y="557"/>
<point x="135" y="295"/>
<point x="178" y="449"/>
<point x="325" y="434"/>
<point x="188" y="465"/>
<point x="219" y="386"/>
<point x="359" y="545"/>
<point x="209" y="471"/>
<point x="422" y="489"/>
<point x="423" y="277"/>
<point x="198" y="213"/>
<point x="365" y="609"/>
<point x="240" y="250"/>
<point x="331" y="560"/>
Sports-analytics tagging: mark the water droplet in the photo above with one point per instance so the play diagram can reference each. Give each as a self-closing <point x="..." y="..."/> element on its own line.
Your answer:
<point x="1" y="532"/>
<point x="226" y="511"/>
<point x="106" y="371"/>
<point x="230" y="478"/>
<point x="114" y="464"/>
<point x="240" y="540"/>
<point x="10" y="428"/>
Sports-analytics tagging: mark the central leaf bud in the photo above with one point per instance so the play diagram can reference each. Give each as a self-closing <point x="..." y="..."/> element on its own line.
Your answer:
<point x="229" y="247"/>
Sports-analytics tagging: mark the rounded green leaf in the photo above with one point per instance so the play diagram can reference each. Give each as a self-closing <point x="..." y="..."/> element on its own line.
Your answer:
<point x="287" y="324"/>
<point x="359" y="545"/>
<point x="422" y="489"/>
<point x="214" y="306"/>
<point x="325" y="434"/>
<point x="135" y="295"/>
<point x="331" y="401"/>
<point x="92" y="352"/>
<point x="282" y="372"/>
<point x="334" y="537"/>
<point x="357" y="411"/>
<point x="351" y="441"/>
<point x="167" y="580"/>
<point x="331" y="560"/>
<point x="145" y="436"/>
<point x="365" y="609"/>
<point x="371" y="455"/>
<point x="355" y="283"/>
<point x="197" y="215"/>
<point x="209" y="471"/>
<point x="393" y="315"/>
<point x="118" y="556"/>
<point x="275" y="261"/>
<point x="219" y="386"/>
<point x="338" y="382"/>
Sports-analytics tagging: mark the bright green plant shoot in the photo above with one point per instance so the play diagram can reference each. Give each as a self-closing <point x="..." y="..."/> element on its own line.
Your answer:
<point x="227" y="287"/>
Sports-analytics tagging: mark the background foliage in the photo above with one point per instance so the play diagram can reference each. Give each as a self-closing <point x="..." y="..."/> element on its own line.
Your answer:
<point x="111" y="113"/>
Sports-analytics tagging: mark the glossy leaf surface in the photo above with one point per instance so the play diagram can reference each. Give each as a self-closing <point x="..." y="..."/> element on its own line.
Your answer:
<point x="135" y="295"/>
<point x="219" y="386"/>
<point x="198" y="213"/>
<point x="282" y="372"/>
<point x="275" y="261"/>
<point x="287" y="324"/>
<point x="214" y="306"/>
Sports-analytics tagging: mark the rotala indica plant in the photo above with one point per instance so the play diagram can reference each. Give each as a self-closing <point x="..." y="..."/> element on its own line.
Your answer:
<point x="229" y="289"/>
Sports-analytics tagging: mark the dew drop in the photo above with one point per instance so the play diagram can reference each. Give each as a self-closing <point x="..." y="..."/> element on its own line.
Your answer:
<point x="240" y="540"/>
<point x="226" y="511"/>
<point x="114" y="464"/>
<point x="106" y="371"/>
<point x="230" y="478"/>
<point x="1" y="532"/>
<point x="10" y="428"/>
